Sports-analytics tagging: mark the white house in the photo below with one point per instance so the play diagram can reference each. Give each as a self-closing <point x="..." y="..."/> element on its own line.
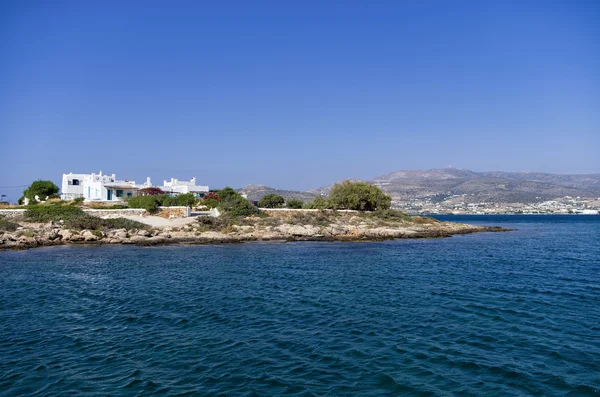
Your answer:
<point x="175" y="186"/>
<point x="98" y="187"/>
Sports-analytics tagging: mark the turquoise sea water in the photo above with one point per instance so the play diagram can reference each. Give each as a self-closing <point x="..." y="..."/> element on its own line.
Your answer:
<point x="485" y="314"/>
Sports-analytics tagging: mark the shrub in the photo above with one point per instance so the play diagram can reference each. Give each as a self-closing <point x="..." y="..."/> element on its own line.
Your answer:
<point x="78" y="201"/>
<point x="242" y="209"/>
<point x="149" y="203"/>
<point x="123" y="223"/>
<point x="294" y="204"/>
<point x="319" y="203"/>
<point x="207" y="223"/>
<point x="7" y="225"/>
<point x="84" y="221"/>
<point x="358" y="196"/>
<point x="42" y="189"/>
<point x="271" y="201"/>
<point x="234" y="205"/>
<point x="48" y="213"/>
<point x="185" y="200"/>
<point x="391" y="215"/>
<point x="423" y="219"/>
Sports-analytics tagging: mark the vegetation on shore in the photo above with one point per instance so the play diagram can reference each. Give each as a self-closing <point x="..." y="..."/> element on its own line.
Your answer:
<point x="73" y="217"/>
<point x="41" y="189"/>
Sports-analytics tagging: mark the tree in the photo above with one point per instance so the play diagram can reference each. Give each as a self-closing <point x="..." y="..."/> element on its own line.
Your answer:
<point x="318" y="203"/>
<point x="211" y="200"/>
<point x="185" y="200"/>
<point x="42" y="189"/>
<point x="271" y="201"/>
<point x="358" y="196"/>
<point x="294" y="204"/>
<point x="233" y="204"/>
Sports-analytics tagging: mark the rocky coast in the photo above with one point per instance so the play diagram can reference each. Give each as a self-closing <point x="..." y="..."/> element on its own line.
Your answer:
<point x="278" y="226"/>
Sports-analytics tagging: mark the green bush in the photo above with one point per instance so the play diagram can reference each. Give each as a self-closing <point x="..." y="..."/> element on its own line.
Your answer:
<point x="42" y="189"/>
<point x="234" y="205"/>
<point x="242" y="209"/>
<point x="48" y="213"/>
<point x="319" y="203"/>
<point x="81" y="222"/>
<point x="78" y="201"/>
<point x="359" y="196"/>
<point x="271" y="201"/>
<point x="315" y="218"/>
<point x="149" y="203"/>
<point x="7" y="225"/>
<point x="123" y="223"/>
<point x="183" y="200"/>
<point x="294" y="204"/>
<point x="391" y="215"/>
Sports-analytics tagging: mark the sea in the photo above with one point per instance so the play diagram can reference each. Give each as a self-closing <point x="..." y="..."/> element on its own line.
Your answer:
<point x="487" y="314"/>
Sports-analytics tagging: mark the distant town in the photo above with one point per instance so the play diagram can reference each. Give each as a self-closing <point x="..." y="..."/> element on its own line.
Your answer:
<point x="458" y="204"/>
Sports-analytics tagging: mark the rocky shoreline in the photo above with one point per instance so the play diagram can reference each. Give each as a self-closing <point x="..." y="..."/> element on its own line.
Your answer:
<point x="253" y="230"/>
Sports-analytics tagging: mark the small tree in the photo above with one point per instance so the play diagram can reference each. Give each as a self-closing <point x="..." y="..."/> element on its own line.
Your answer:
<point x="319" y="203"/>
<point x="358" y="196"/>
<point x="233" y="204"/>
<point x="294" y="204"/>
<point x="211" y="200"/>
<point x="271" y="201"/>
<point x="187" y="199"/>
<point x="42" y="189"/>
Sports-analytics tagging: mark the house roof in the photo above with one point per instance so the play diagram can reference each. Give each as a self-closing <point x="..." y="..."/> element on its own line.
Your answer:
<point x="120" y="186"/>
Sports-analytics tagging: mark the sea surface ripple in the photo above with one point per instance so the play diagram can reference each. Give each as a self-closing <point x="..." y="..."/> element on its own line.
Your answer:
<point x="511" y="314"/>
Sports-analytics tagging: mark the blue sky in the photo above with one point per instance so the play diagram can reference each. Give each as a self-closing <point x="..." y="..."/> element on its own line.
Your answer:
<point x="296" y="94"/>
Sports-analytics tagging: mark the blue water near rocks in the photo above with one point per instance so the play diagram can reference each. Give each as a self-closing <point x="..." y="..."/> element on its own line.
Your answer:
<point x="485" y="314"/>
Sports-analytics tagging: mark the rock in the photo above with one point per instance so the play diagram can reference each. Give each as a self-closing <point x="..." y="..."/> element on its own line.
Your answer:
<point x="120" y="234"/>
<point x="53" y="235"/>
<point x="65" y="234"/>
<point x="89" y="236"/>
<point x="296" y="230"/>
<point x="144" y="233"/>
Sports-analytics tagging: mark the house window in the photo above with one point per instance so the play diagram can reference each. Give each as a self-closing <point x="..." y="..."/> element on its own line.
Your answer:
<point x="76" y="182"/>
<point x="128" y="194"/>
<point x="119" y="193"/>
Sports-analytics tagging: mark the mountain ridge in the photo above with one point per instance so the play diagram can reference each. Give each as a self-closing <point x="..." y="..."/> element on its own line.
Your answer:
<point x="441" y="183"/>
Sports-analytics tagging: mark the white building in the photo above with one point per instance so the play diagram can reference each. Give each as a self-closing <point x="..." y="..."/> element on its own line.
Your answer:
<point x="98" y="187"/>
<point x="175" y="186"/>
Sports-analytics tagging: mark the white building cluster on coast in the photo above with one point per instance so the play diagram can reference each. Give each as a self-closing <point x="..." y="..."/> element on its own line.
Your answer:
<point x="101" y="187"/>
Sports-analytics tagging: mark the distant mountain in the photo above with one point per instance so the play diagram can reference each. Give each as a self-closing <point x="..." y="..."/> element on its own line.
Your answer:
<point x="474" y="187"/>
<point x="499" y="187"/>
<point x="591" y="181"/>
<point x="256" y="192"/>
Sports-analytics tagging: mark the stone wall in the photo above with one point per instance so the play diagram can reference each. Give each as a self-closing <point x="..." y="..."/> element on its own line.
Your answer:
<point x="173" y="212"/>
<point x="115" y="213"/>
<point x="286" y="213"/>
<point x="165" y="212"/>
<point x="95" y="212"/>
<point x="11" y="213"/>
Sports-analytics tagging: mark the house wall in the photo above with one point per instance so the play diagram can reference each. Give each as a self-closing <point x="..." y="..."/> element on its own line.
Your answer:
<point x="70" y="191"/>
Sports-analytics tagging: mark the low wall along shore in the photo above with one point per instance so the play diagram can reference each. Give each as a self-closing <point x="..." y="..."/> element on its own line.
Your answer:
<point x="164" y="212"/>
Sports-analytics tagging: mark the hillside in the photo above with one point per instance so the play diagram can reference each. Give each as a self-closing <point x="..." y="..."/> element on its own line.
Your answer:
<point x="439" y="185"/>
<point x="498" y="187"/>
<point x="256" y="192"/>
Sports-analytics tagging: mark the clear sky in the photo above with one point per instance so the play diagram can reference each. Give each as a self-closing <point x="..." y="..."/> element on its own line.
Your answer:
<point x="296" y="94"/>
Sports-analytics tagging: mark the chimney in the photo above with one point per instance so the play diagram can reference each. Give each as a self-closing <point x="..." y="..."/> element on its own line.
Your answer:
<point x="148" y="181"/>
<point x="193" y="181"/>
